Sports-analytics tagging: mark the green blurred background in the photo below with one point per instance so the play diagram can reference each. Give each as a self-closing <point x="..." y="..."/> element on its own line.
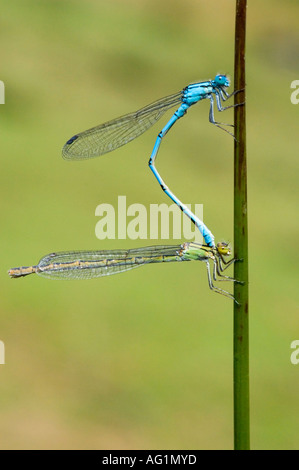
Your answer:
<point x="143" y="360"/>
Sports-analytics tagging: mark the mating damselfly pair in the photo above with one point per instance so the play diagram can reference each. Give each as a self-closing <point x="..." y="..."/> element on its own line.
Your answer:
<point x="113" y="134"/>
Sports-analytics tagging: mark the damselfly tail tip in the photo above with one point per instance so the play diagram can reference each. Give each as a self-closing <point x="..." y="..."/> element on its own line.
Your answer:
<point x="16" y="273"/>
<point x="13" y="273"/>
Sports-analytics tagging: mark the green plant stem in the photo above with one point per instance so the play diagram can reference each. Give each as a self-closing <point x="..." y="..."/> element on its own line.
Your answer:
<point x="241" y="336"/>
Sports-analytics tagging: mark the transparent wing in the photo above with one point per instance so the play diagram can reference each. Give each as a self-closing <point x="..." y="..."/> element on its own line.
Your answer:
<point x="90" y="264"/>
<point x="113" y="134"/>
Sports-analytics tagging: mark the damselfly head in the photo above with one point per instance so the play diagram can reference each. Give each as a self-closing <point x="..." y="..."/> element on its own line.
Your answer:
<point x="223" y="248"/>
<point x="222" y="80"/>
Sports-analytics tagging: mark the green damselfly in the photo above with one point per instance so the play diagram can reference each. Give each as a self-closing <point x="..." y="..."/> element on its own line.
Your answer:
<point x="91" y="264"/>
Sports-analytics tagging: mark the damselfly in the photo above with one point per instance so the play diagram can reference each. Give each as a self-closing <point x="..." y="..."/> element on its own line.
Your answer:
<point x="113" y="134"/>
<point x="91" y="264"/>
